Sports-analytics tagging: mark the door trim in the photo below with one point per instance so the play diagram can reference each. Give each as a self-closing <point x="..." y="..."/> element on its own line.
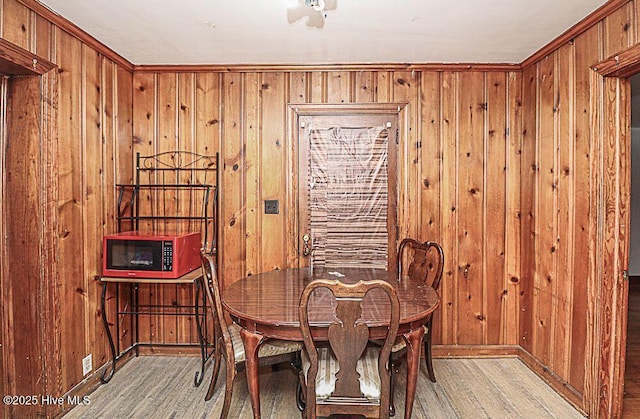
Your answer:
<point x="294" y="112"/>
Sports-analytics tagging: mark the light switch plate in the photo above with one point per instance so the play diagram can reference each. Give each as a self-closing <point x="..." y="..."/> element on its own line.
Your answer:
<point x="271" y="206"/>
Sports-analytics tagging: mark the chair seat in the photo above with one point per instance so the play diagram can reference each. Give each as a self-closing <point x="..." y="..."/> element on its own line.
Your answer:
<point x="399" y="344"/>
<point x="271" y="347"/>
<point x="328" y="366"/>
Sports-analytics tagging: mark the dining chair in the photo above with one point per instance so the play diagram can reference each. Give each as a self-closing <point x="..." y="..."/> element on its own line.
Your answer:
<point x="346" y="376"/>
<point x="228" y="343"/>
<point x="423" y="261"/>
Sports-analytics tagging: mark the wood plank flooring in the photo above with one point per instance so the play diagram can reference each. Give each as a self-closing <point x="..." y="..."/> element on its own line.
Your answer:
<point x="162" y="387"/>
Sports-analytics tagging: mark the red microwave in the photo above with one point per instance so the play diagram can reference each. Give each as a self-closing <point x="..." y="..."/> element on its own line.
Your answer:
<point x="149" y="255"/>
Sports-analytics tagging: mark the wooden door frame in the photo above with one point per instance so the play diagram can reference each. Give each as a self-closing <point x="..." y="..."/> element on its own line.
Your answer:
<point x="608" y="285"/>
<point x="38" y="186"/>
<point x="294" y="112"/>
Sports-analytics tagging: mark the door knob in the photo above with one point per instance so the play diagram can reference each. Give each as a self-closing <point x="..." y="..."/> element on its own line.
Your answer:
<point x="306" y="247"/>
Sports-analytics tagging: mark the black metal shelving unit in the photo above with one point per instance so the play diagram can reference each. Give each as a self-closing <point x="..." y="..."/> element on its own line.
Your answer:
<point x="175" y="191"/>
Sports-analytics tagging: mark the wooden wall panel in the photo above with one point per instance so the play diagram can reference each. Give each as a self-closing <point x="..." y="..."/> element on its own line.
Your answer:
<point x="496" y="145"/>
<point x="430" y="182"/>
<point x="527" y="203"/>
<point x="273" y="159"/>
<point x="455" y="151"/>
<point x="618" y="30"/>
<point x="513" y="225"/>
<point x="232" y="217"/>
<point x="561" y="360"/>
<point x="80" y="149"/>
<point x="92" y="203"/>
<point x="144" y="134"/>
<point x="164" y="327"/>
<point x="16" y="23"/>
<point x="70" y="125"/>
<point x="474" y="161"/>
<point x="254" y="88"/>
<point x="546" y="209"/>
<point x="22" y="209"/>
<point x="471" y="192"/>
<point x="448" y="197"/>
<point x="586" y="53"/>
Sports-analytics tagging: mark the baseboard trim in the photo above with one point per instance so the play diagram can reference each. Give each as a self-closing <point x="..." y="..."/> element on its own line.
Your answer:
<point x="474" y="351"/>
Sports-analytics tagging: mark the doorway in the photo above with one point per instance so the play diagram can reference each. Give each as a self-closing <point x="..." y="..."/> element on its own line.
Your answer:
<point x="346" y="184"/>
<point x="631" y="403"/>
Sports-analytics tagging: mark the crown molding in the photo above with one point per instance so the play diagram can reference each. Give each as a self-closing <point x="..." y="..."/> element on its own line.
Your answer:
<point x="250" y="68"/>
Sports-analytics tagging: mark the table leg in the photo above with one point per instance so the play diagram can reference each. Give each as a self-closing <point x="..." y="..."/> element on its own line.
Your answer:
<point x="414" y="340"/>
<point x="251" y="343"/>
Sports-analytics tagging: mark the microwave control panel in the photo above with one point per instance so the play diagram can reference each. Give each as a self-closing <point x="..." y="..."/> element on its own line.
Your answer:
<point x="167" y="256"/>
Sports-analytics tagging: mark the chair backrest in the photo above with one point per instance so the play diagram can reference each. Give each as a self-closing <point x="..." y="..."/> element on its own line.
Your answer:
<point x="212" y="290"/>
<point x="420" y="260"/>
<point x="348" y="337"/>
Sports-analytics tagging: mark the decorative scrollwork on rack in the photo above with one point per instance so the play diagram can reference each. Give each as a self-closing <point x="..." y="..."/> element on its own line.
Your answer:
<point x="177" y="160"/>
<point x="173" y="191"/>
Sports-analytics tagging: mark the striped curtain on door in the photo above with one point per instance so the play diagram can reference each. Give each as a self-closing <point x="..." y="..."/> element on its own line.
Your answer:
<point x="348" y="195"/>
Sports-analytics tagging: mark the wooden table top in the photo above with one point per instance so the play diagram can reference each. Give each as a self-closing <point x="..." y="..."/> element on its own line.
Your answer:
<point x="270" y="300"/>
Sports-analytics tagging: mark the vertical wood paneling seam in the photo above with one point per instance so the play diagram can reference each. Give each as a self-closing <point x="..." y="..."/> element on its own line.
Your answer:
<point x="221" y="177"/>
<point x="4" y="311"/>
<point x="536" y="212"/>
<point x="374" y="86"/>
<point x="633" y="29"/>
<point x="307" y="87"/>
<point x="571" y="237"/>
<point x="556" y="209"/>
<point x="83" y="182"/>
<point x="352" y="86"/>
<point x="2" y="20"/>
<point x="175" y="289"/>
<point x="504" y="330"/>
<point x="33" y="45"/>
<point x="418" y="166"/>
<point x="259" y="164"/>
<point x="243" y="172"/>
<point x="456" y="200"/>
<point x="325" y="86"/>
<point x="285" y="161"/>
<point x="485" y="172"/>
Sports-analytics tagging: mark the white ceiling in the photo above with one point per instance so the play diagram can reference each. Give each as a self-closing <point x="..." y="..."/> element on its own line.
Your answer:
<point x="356" y="31"/>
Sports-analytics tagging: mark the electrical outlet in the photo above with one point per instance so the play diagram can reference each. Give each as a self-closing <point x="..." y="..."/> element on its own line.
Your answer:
<point x="87" y="365"/>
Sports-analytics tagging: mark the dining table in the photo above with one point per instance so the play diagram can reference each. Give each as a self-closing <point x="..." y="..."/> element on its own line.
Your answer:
<point x="266" y="305"/>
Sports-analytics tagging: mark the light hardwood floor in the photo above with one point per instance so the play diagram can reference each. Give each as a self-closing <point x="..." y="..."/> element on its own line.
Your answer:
<point x="162" y="387"/>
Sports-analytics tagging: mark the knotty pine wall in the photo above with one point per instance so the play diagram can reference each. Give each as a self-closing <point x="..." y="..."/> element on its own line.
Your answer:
<point x="459" y="171"/>
<point x="64" y="189"/>
<point x="498" y="166"/>
<point x="570" y="185"/>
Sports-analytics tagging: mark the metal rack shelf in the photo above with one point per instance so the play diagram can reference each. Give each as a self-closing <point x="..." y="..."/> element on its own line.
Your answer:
<point x="176" y="192"/>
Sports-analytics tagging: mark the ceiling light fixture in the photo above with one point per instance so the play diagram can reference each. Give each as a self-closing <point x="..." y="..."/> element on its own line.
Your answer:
<point x="317" y="5"/>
